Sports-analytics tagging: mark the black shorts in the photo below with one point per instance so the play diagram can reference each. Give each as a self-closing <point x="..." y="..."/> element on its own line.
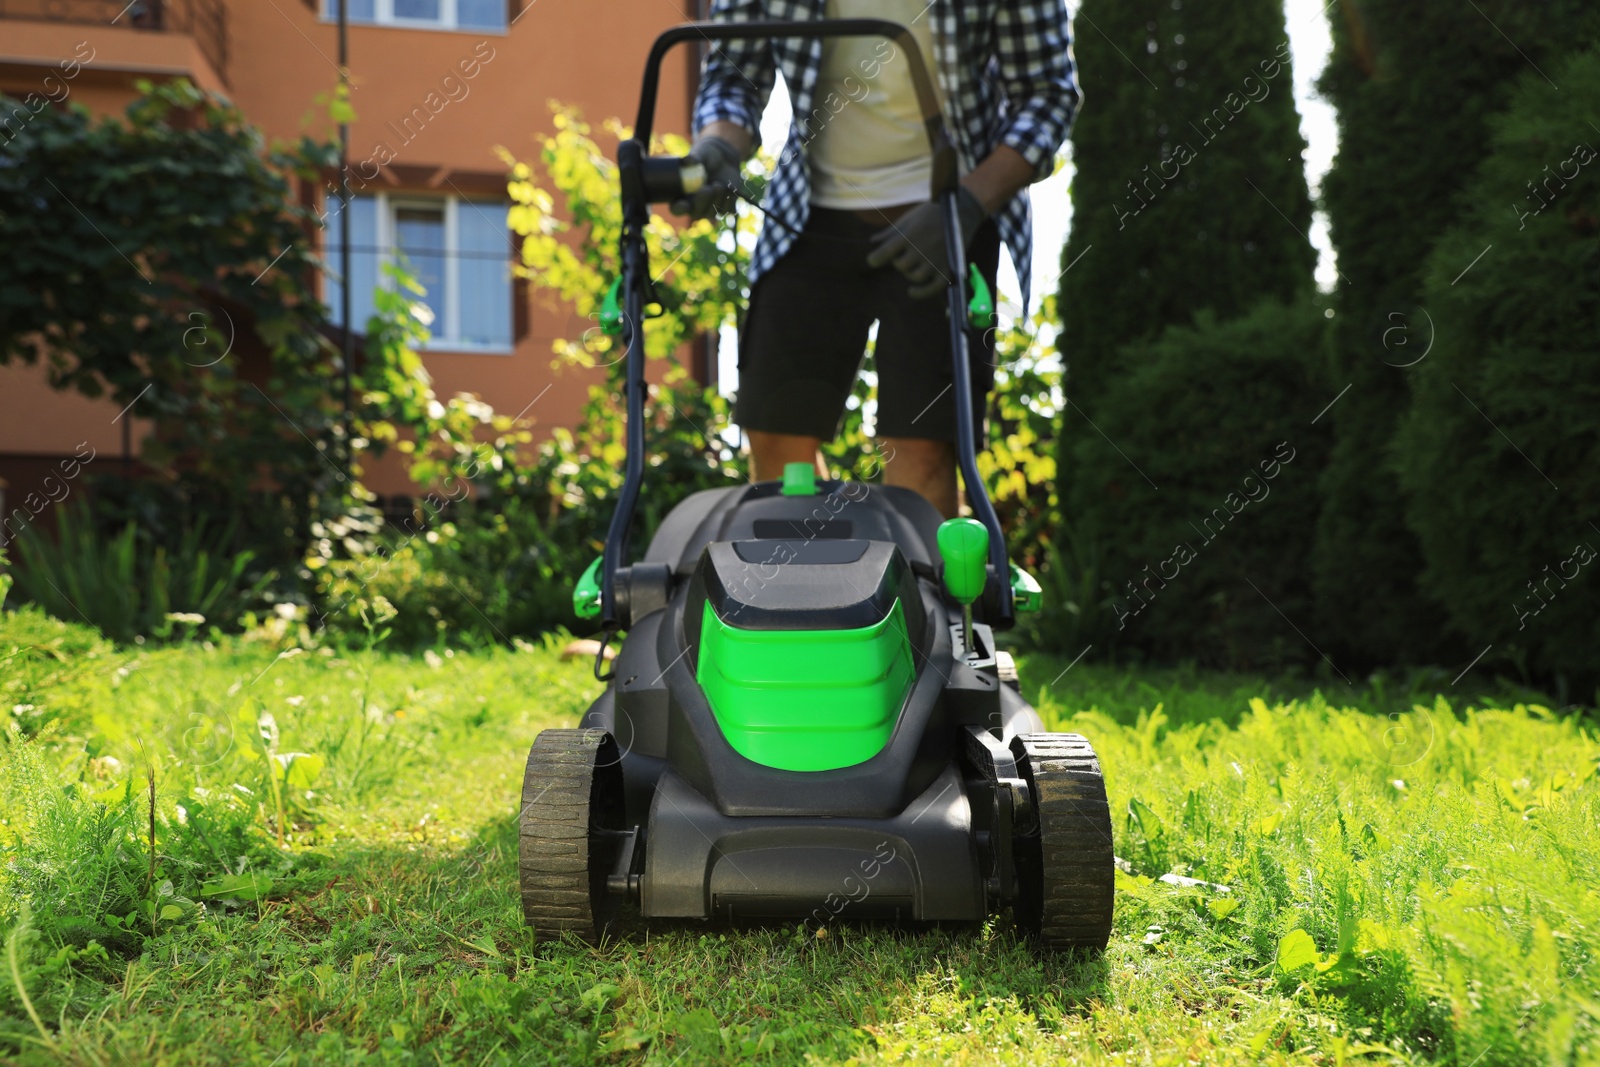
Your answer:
<point x="805" y="335"/>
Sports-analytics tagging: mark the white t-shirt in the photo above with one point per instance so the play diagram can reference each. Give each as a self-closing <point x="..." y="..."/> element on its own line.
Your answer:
<point x="869" y="147"/>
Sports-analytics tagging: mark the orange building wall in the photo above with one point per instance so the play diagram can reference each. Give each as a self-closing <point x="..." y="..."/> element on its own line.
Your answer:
<point x="282" y="58"/>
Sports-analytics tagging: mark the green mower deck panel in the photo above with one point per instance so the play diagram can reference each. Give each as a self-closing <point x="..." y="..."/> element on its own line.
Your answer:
<point x="806" y="700"/>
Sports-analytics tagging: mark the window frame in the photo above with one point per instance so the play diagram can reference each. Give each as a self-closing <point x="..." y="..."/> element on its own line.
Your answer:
<point x="448" y="22"/>
<point x="445" y="331"/>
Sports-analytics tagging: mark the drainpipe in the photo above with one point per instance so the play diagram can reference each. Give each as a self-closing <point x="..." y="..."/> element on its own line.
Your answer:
<point x="344" y="235"/>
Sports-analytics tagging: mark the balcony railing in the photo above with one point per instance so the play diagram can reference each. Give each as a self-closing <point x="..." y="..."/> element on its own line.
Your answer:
<point x="204" y="20"/>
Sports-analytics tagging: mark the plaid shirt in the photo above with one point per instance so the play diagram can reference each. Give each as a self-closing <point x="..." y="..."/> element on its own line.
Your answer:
<point x="1005" y="67"/>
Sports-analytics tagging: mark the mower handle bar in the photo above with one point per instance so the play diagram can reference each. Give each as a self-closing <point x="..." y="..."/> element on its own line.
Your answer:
<point x="632" y="154"/>
<point x="944" y="153"/>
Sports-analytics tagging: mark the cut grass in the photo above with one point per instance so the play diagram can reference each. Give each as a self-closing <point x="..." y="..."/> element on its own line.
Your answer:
<point x="1440" y="863"/>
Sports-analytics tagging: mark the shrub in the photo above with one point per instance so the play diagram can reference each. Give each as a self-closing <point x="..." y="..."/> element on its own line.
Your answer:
<point x="132" y="589"/>
<point x="1019" y="464"/>
<point x="480" y="576"/>
<point x="502" y="564"/>
<point x="1189" y="105"/>
<point x="1197" y="496"/>
<point x="1500" y="450"/>
<point x="213" y="330"/>
<point x="221" y="344"/>
<point x="1414" y="85"/>
<point x="1189" y="198"/>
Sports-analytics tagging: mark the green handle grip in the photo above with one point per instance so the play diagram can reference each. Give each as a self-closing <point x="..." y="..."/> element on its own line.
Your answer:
<point x="1025" y="592"/>
<point x="611" y="309"/>
<point x="980" y="309"/>
<point x="964" y="547"/>
<point x="586" y="594"/>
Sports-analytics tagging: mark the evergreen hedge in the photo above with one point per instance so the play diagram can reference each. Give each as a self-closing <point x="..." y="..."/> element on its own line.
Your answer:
<point x="1189" y="204"/>
<point x="1415" y="82"/>
<point x="1196" y="494"/>
<point x="1499" y="453"/>
<point x="1189" y="191"/>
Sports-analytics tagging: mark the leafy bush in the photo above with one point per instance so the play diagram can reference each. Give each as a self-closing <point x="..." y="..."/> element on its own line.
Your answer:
<point x="172" y="330"/>
<point x="1193" y="512"/>
<point x="1019" y="465"/>
<point x="577" y="474"/>
<point x="1413" y="85"/>
<point x="479" y="576"/>
<point x="132" y="589"/>
<point x="701" y="278"/>
<point x="1500" y="450"/>
<point x="495" y="548"/>
<point x="501" y="564"/>
<point x="222" y="345"/>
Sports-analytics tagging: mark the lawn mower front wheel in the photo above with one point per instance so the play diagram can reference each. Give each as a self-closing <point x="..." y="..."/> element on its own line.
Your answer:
<point x="570" y="834"/>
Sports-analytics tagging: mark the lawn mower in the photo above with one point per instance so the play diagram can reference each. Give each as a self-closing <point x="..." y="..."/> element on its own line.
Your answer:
<point x="808" y="720"/>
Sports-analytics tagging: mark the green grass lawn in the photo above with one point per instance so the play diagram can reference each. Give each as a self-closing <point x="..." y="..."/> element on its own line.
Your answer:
<point x="333" y="880"/>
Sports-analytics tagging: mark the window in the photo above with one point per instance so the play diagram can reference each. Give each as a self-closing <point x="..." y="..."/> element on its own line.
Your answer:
<point x="424" y="14"/>
<point x="458" y="250"/>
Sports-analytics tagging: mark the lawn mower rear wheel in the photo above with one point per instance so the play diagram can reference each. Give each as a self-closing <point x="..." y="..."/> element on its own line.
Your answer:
<point x="1065" y="870"/>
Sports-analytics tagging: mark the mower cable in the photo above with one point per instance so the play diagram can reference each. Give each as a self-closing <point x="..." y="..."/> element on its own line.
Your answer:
<point x="784" y="223"/>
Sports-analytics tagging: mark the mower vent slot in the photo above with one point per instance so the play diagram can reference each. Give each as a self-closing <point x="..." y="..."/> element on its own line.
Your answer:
<point x="789" y="551"/>
<point x="803" y="529"/>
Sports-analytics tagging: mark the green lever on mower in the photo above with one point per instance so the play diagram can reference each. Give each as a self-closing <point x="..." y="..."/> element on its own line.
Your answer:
<point x="980" y="309"/>
<point x="1025" y="591"/>
<point x="586" y="594"/>
<point x="964" y="547"/>
<point x="611" y="310"/>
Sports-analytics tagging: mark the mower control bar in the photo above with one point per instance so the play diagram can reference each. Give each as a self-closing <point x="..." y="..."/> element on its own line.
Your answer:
<point x="638" y="174"/>
<point x="944" y="153"/>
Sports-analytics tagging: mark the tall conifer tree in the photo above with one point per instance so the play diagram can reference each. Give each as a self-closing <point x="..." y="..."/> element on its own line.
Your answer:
<point x="1189" y="190"/>
<point x="1414" y="82"/>
<point x="1189" y="197"/>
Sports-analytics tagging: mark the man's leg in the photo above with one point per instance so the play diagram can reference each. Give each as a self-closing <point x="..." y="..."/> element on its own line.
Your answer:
<point x="916" y="398"/>
<point x="771" y="452"/>
<point x="801" y="344"/>
<point x="927" y="466"/>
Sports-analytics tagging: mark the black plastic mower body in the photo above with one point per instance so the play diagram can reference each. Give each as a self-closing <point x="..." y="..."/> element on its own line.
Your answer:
<point x="725" y="836"/>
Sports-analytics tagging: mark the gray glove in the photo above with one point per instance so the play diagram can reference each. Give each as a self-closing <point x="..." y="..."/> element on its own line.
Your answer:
<point x="715" y="197"/>
<point x="915" y="242"/>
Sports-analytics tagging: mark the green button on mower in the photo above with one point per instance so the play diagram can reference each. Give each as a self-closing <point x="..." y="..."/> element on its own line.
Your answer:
<point x="799" y="479"/>
<point x="586" y="594"/>
<point x="611" y="310"/>
<point x="980" y="309"/>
